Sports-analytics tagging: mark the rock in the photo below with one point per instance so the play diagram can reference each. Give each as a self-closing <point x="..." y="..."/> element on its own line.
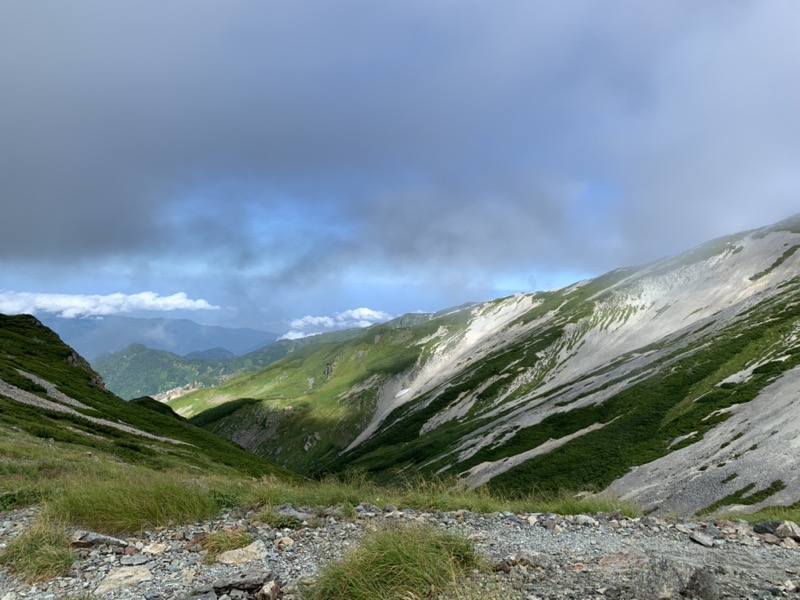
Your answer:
<point x="290" y="511"/>
<point x="284" y="542"/>
<point x="134" y="560"/>
<point x="585" y="520"/>
<point x="124" y="577"/>
<point x="770" y="538"/>
<point x="766" y="526"/>
<point x="255" y="551"/>
<point x="271" y="591"/>
<point x="788" y="529"/>
<point x="702" y="539"/>
<point x="250" y="581"/>
<point x="667" y="579"/>
<point x="155" y="548"/>
<point x="208" y="595"/>
<point x="702" y="585"/>
<point x="86" y="539"/>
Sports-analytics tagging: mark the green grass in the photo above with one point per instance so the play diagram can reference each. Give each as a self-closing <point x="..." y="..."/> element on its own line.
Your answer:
<point x="39" y="554"/>
<point x="133" y="500"/>
<point x="224" y="540"/>
<point x="770" y="513"/>
<point x="744" y="496"/>
<point x="398" y="564"/>
<point x="277" y="520"/>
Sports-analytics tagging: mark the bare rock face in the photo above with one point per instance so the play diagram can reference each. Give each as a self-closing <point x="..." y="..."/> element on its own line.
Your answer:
<point x="76" y="360"/>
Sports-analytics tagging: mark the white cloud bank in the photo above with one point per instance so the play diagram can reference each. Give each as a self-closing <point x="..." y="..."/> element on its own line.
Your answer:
<point x="348" y="319"/>
<point x="71" y="306"/>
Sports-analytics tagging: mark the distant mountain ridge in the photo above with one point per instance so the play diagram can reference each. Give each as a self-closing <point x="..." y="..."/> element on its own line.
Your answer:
<point x="91" y="337"/>
<point x="675" y="383"/>
<point x="141" y="371"/>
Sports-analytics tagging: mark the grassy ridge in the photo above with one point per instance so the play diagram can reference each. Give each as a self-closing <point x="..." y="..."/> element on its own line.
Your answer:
<point x="28" y="346"/>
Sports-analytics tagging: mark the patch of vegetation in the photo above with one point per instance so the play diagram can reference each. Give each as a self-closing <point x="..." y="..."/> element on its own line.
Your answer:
<point x="730" y="478"/>
<point x="220" y="412"/>
<point x="278" y="520"/>
<point x="224" y="540"/>
<point x="397" y="564"/>
<point x="778" y="262"/>
<point x="132" y="500"/>
<point x="138" y="370"/>
<point x="743" y="496"/>
<point x="39" y="554"/>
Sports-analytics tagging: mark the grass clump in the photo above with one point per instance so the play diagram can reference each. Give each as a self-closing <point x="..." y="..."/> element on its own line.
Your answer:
<point x="40" y="553"/>
<point x="224" y="540"/>
<point x="769" y="513"/>
<point x="135" y="499"/>
<point x="277" y="520"/>
<point x="398" y="563"/>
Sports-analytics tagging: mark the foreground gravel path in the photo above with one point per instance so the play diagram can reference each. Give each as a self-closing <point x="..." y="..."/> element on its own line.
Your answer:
<point x="534" y="556"/>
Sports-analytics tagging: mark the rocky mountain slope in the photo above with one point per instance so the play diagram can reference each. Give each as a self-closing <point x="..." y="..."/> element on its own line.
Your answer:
<point x="674" y="384"/>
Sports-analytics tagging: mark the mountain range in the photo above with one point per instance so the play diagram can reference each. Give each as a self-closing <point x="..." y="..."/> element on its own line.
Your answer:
<point x="674" y="384"/>
<point x="92" y="337"/>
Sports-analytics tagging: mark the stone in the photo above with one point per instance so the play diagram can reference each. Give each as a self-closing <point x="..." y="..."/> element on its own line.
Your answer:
<point x="271" y="591"/>
<point x="702" y="585"/>
<point x="285" y="542"/>
<point x="134" y="560"/>
<point x="250" y="581"/>
<point x="209" y="595"/>
<point x="788" y="529"/>
<point x="770" y="538"/>
<point x="585" y="520"/>
<point x="86" y="539"/>
<point x="124" y="577"/>
<point x="255" y="551"/>
<point x="702" y="539"/>
<point x="155" y="548"/>
<point x="668" y="579"/>
<point x="766" y="526"/>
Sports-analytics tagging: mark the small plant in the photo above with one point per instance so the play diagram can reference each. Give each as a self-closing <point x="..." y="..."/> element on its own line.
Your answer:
<point x="40" y="553"/>
<point x="224" y="540"/>
<point x="398" y="563"/>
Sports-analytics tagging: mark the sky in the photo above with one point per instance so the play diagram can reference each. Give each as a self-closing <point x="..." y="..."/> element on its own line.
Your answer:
<point x="304" y="165"/>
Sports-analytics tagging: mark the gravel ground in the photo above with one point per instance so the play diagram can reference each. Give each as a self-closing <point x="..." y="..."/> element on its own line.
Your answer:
<point x="532" y="556"/>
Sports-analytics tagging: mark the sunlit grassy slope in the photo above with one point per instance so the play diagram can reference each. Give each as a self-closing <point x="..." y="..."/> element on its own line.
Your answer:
<point x="137" y="370"/>
<point x="316" y="400"/>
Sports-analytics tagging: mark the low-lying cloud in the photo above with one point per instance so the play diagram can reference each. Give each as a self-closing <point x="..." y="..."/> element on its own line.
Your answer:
<point x="348" y="319"/>
<point x="72" y="306"/>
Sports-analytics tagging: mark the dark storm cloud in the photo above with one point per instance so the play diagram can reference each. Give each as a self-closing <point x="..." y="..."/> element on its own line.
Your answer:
<point x="446" y="139"/>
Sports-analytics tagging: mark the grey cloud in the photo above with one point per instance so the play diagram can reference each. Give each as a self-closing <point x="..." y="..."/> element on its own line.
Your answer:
<point x="455" y="137"/>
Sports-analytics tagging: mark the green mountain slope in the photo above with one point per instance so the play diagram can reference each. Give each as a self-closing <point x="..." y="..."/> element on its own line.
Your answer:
<point x="603" y="383"/>
<point x="49" y="392"/>
<point x="138" y="370"/>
